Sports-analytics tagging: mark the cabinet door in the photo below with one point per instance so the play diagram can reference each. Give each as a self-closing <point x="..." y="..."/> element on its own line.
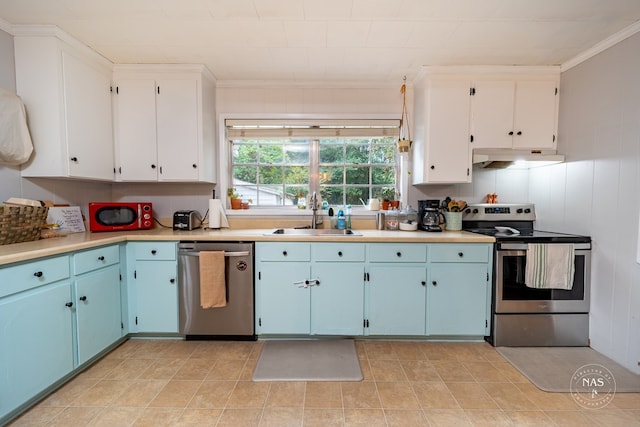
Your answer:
<point x="87" y="100"/>
<point x="177" y="121"/>
<point x="283" y="301"/>
<point x="492" y="114"/>
<point x="457" y="299"/>
<point x="337" y="298"/>
<point x="98" y="311"/>
<point x="36" y="339"/>
<point x="535" y="115"/>
<point x="448" y="156"/>
<point x="135" y="130"/>
<point x="396" y="299"/>
<point x="156" y="296"/>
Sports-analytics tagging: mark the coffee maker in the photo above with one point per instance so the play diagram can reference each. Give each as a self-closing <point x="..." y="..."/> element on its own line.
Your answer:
<point x="429" y="215"/>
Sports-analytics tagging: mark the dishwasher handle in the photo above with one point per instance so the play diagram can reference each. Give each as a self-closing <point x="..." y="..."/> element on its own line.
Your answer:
<point x="226" y="254"/>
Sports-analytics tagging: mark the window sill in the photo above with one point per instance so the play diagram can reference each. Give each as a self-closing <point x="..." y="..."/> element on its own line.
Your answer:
<point x="293" y="212"/>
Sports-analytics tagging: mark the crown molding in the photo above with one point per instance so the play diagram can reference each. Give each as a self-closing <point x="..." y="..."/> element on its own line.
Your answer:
<point x="5" y="26"/>
<point x="601" y="46"/>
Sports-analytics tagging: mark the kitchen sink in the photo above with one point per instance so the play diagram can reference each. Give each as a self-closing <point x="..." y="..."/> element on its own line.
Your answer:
<point x="312" y="232"/>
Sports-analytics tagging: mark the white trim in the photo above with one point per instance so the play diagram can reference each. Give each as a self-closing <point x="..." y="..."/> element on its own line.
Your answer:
<point x="307" y="84"/>
<point x="6" y="26"/>
<point x="603" y="45"/>
<point x="47" y="30"/>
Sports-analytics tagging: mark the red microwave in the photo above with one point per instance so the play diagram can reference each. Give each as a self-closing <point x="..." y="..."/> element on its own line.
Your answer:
<point x="119" y="216"/>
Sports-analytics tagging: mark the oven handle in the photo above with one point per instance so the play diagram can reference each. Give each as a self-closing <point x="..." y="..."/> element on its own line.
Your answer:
<point x="523" y="246"/>
<point x="227" y="254"/>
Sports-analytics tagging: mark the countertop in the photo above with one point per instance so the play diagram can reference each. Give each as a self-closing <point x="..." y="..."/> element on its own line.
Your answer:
<point x="73" y="242"/>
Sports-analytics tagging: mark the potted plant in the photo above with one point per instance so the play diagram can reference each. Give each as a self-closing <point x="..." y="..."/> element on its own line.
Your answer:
<point x="235" y="199"/>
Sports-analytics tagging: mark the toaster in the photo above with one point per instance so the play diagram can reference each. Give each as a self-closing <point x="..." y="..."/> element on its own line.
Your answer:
<point x="186" y="220"/>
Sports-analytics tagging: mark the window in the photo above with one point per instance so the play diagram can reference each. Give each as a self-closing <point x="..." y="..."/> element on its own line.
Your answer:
<point x="277" y="163"/>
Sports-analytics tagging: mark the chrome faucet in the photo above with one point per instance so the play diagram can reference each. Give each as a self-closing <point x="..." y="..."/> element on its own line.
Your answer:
<point x="315" y="220"/>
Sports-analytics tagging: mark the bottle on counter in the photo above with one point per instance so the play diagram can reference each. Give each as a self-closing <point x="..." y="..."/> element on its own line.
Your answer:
<point x="348" y="215"/>
<point x="342" y="221"/>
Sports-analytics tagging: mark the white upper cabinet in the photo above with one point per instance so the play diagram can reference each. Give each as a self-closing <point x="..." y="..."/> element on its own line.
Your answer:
<point x="65" y="87"/>
<point x="515" y="113"/>
<point x="441" y="149"/>
<point x="164" y="121"/>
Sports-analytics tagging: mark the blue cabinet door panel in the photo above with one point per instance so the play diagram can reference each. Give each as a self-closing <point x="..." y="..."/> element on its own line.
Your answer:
<point x="98" y="311"/>
<point x="36" y="342"/>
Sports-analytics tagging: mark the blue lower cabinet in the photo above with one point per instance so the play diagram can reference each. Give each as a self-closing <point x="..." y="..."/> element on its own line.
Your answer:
<point x="283" y="298"/>
<point x="456" y="296"/>
<point x="98" y="311"/>
<point x="36" y="342"/>
<point x="337" y="298"/>
<point x="396" y="299"/>
<point x="156" y="297"/>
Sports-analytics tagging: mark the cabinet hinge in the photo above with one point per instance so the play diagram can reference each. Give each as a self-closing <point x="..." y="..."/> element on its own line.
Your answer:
<point x="487" y="276"/>
<point x="136" y="320"/>
<point x="486" y="323"/>
<point x="135" y="274"/>
<point x="554" y="138"/>
<point x="121" y="325"/>
<point x="472" y="91"/>
<point x="365" y="323"/>
<point x="259" y="321"/>
<point x="471" y="138"/>
<point x="467" y="171"/>
<point x="158" y="90"/>
<point x="259" y="275"/>
<point x="556" y="91"/>
<point x="121" y="277"/>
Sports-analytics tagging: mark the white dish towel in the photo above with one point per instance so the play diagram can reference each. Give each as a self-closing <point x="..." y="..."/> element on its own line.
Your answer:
<point x="550" y="266"/>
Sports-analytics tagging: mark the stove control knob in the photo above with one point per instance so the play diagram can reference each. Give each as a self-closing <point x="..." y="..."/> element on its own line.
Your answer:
<point x="527" y="210"/>
<point x="519" y="210"/>
<point x="475" y="211"/>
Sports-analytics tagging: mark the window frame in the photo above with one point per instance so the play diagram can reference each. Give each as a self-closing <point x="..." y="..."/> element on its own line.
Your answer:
<point x="226" y="179"/>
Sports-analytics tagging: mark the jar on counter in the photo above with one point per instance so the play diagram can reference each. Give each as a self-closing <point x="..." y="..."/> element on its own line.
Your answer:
<point x="392" y="219"/>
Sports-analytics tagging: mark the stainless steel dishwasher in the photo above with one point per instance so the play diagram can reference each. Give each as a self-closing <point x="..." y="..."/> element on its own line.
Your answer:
<point x="235" y="321"/>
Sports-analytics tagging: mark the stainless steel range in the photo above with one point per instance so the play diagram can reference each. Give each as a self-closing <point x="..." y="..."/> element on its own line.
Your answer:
<point x="523" y="315"/>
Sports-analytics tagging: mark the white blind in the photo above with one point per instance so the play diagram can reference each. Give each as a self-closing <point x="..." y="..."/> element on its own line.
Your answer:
<point x="263" y="129"/>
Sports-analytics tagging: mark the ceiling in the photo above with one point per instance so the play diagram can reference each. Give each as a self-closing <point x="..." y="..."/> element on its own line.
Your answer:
<point x="331" y="40"/>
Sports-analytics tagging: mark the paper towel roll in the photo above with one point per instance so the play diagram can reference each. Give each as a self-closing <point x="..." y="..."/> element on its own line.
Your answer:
<point x="217" y="215"/>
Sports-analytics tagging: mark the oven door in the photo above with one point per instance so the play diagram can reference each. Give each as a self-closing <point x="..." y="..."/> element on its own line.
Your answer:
<point x="513" y="296"/>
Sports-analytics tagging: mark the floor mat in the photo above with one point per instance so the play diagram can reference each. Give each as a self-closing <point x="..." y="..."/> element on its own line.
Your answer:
<point x="557" y="368"/>
<point x="308" y="360"/>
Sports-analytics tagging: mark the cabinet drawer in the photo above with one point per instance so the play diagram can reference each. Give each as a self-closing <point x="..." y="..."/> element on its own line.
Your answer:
<point x="21" y="277"/>
<point x="149" y="251"/>
<point x="283" y="252"/>
<point x="94" y="259"/>
<point x="452" y="252"/>
<point x="397" y="252"/>
<point x="338" y="252"/>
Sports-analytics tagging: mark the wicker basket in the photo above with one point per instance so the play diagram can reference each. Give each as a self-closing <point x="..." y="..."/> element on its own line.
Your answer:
<point x="21" y="223"/>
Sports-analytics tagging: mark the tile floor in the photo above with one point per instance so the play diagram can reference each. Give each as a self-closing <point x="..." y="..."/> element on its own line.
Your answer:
<point x="208" y="383"/>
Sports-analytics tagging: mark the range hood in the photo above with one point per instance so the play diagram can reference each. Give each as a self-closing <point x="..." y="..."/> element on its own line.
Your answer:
<point x="514" y="159"/>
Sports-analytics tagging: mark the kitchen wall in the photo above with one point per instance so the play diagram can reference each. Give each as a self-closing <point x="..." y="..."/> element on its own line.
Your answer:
<point x="596" y="191"/>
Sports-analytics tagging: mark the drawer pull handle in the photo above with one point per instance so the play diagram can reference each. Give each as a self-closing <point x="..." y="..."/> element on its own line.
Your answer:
<point x="398" y="254"/>
<point x="83" y="298"/>
<point x="38" y="274"/>
<point x="100" y="258"/>
<point x="434" y="283"/>
<point x="423" y="283"/>
<point x="339" y="253"/>
<point x="460" y="254"/>
<point x="153" y="252"/>
<point x="69" y="304"/>
<point x="284" y="253"/>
